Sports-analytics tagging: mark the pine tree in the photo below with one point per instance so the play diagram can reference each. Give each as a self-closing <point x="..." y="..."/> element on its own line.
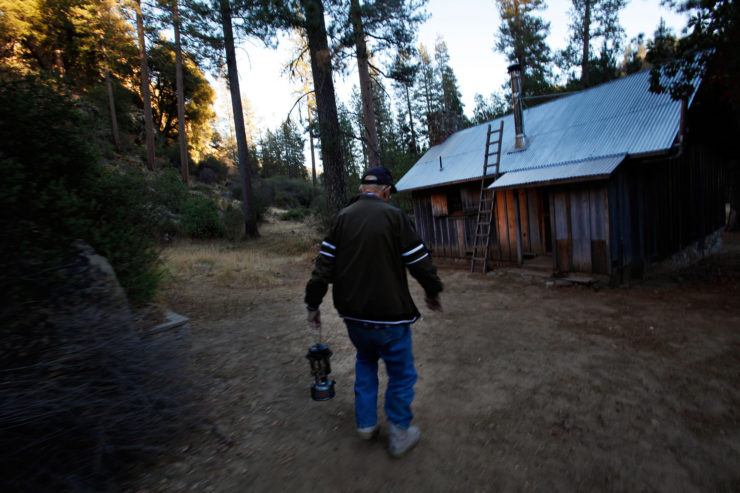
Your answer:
<point x="390" y="24"/>
<point x="593" y="21"/>
<point x="439" y="94"/>
<point x="452" y="104"/>
<point x="213" y="25"/>
<point x="521" y="38"/>
<point x="145" y="91"/>
<point x="404" y="73"/>
<point x="354" y="164"/>
<point x="299" y="69"/>
<point x="198" y="96"/>
<point x="662" y="49"/>
<point x="487" y="109"/>
<point x="427" y="91"/>
<point x="321" y="68"/>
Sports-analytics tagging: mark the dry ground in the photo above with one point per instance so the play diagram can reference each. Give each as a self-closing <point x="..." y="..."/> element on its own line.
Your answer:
<point x="522" y="387"/>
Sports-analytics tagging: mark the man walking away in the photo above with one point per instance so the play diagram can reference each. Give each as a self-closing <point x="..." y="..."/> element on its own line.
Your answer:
<point x="370" y="245"/>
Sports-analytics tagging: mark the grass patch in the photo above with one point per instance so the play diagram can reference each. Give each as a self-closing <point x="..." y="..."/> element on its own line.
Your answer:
<point x="265" y="261"/>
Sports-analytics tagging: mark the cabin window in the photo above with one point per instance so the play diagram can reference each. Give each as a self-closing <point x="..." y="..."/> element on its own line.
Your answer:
<point x="439" y="204"/>
<point x="447" y="203"/>
<point x="454" y="201"/>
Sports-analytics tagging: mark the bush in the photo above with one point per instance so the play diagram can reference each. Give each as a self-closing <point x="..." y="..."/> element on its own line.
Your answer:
<point x="290" y="193"/>
<point x="169" y="190"/>
<point x="122" y="230"/>
<point x="297" y="214"/>
<point x="262" y="195"/>
<point x="84" y="395"/>
<point x="218" y="170"/>
<point x="56" y="191"/>
<point x="200" y="218"/>
<point x="233" y="219"/>
<point x="207" y="176"/>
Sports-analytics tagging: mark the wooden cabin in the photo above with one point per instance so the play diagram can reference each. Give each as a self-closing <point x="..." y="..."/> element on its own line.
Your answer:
<point x="604" y="183"/>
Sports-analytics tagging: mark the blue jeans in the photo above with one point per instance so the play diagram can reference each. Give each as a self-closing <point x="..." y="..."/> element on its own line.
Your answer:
<point x="392" y="343"/>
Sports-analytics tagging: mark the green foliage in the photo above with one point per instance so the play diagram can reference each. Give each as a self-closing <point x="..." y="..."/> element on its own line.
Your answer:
<point x="73" y="38"/>
<point x="233" y="219"/>
<point x="522" y="38"/>
<point x="595" y="21"/>
<point x="487" y="109"/>
<point x="290" y="193"/>
<point x="121" y="230"/>
<point x="219" y="170"/>
<point x="297" y="214"/>
<point x="169" y="190"/>
<point x="198" y="94"/>
<point x="262" y="197"/>
<point x="710" y="47"/>
<point x="281" y="153"/>
<point x="55" y="191"/>
<point x="201" y="218"/>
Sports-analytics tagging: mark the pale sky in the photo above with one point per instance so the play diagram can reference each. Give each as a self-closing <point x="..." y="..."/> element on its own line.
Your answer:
<point x="467" y="27"/>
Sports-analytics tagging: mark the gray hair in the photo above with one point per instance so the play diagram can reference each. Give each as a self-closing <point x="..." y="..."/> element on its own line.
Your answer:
<point x="373" y="188"/>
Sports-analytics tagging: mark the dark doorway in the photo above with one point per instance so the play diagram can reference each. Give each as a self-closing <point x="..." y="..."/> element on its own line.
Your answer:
<point x="545" y="221"/>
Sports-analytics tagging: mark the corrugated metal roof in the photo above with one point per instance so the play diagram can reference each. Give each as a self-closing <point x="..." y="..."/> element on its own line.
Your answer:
<point x="589" y="168"/>
<point x="617" y="118"/>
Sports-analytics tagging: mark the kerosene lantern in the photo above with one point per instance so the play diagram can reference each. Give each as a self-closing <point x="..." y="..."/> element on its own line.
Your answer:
<point x="322" y="389"/>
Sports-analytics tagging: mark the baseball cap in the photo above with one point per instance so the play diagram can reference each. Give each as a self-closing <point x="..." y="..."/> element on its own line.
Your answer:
<point x="378" y="176"/>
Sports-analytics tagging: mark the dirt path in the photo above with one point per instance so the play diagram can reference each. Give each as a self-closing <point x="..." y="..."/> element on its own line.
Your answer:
<point x="522" y="387"/>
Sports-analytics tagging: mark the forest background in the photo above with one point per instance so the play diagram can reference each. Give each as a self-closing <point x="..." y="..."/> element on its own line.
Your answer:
<point x="109" y="134"/>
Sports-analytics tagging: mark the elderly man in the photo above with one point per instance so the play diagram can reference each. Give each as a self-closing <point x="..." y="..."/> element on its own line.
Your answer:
<point x="370" y="245"/>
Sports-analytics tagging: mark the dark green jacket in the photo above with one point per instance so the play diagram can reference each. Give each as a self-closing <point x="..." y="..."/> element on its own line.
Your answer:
<point x="365" y="256"/>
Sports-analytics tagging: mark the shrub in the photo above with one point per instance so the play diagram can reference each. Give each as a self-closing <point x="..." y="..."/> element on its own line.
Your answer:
<point x="207" y="175"/>
<point x="122" y="230"/>
<point x="235" y="189"/>
<point x="169" y="190"/>
<point x="56" y="191"/>
<point x="233" y="219"/>
<point x="200" y="218"/>
<point x="219" y="171"/>
<point x="291" y="192"/>
<point x="84" y="395"/>
<point x="262" y="195"/>
<point x="297" y="214"/>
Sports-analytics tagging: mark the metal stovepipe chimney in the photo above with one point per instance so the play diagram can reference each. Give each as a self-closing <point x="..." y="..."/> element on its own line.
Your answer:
<point x="515" y="71"/>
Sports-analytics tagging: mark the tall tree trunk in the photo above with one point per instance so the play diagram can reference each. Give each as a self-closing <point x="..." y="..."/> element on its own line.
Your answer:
<point x="414" y="145"/>
<point x="148" y="123"/>
<point x="250" y="214"/>
<point x="112" y="105"/>
<point x="326" y="105"/>
<point x="111" y="99"/>
<point x="181" y="135"/>
<point x="313" y="151"/>
<point x="59" y="63"/>
<point x="366" y="91"/>
<point x="586" y="44"/>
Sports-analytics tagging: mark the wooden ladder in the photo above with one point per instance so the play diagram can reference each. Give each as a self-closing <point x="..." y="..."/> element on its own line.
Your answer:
<point x="482" y="240"/>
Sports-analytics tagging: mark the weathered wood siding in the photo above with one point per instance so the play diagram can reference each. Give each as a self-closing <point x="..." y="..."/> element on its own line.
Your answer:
<point x="663" y="206"/>
<point x="581" y="232"/>
<point x="447" y="231"/>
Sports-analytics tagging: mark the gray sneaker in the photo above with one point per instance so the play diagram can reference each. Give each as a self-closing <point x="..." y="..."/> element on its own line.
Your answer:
<point x="401" y="441"/>
<point x="369" y="433"/>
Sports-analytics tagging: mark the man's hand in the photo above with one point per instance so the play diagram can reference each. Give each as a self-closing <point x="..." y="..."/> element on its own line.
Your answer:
<point x="434" y="304"/>
<point x="314" y="318"/>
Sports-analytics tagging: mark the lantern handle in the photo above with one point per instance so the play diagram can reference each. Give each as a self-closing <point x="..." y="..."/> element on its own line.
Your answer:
<point x="317" y="333"/>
